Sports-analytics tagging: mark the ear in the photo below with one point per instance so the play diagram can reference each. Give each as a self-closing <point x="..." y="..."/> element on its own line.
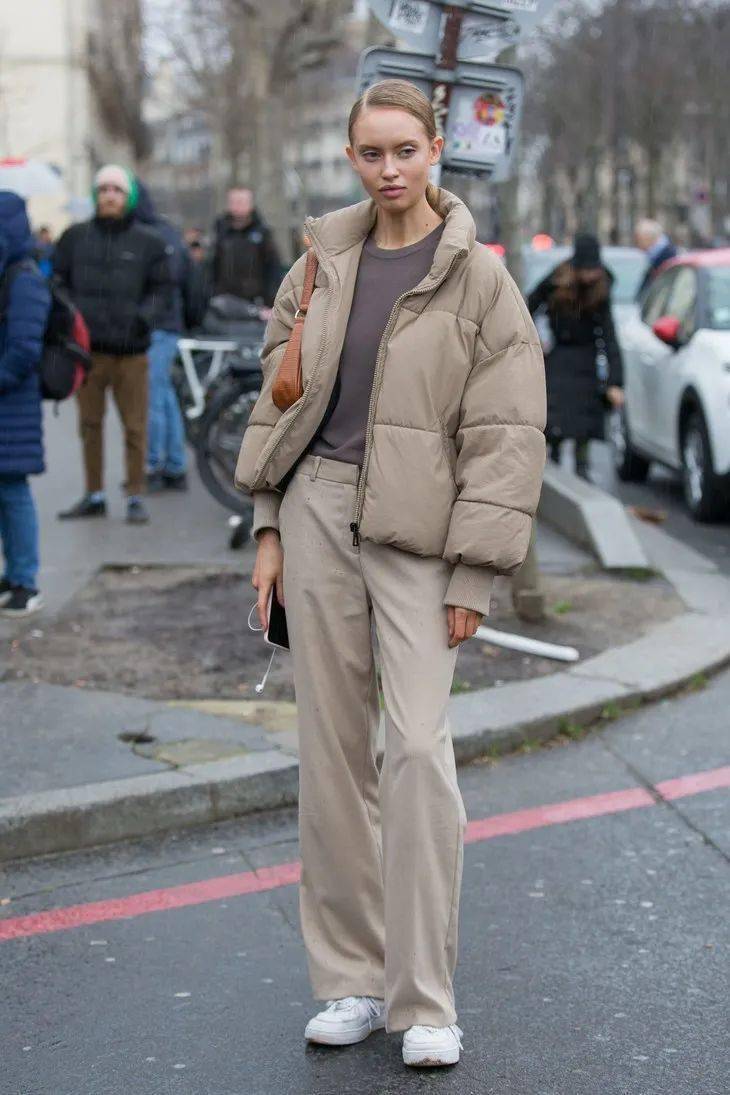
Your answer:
<point x="437" y="145"/>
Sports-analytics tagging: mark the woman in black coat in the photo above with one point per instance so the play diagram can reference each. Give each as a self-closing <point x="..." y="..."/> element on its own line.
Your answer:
<point x="583" y="368"/>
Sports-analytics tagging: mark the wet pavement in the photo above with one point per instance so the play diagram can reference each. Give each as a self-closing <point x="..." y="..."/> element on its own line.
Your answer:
<point x="593" y="951"/>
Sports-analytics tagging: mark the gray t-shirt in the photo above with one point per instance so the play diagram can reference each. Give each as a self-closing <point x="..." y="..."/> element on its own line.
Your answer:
<point x="383" y="274"/>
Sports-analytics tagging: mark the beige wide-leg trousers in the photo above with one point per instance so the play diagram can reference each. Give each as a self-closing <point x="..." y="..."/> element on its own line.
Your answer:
<point x="379" y="913"/>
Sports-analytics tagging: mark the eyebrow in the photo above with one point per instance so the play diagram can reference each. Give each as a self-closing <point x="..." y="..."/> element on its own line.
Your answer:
<point x="376" y="148"/>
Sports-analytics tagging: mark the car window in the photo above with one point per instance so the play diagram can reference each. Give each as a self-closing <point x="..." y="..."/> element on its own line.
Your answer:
<point x="654" y="303"/>
<point x="719" y="298"/>
<point x="628" y="270"/>
<point x="682" y="301"/>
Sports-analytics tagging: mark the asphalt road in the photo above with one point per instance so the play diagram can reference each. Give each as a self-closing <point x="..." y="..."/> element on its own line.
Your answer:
<point x="593" y="954"/>
<point x="663" y="491"/>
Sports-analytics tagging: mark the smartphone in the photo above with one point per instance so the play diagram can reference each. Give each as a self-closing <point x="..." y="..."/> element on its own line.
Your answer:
<point x="276" y="633"/>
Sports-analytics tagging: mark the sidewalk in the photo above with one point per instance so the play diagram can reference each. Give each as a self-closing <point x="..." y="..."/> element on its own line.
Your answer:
<point x="85" y="766"/>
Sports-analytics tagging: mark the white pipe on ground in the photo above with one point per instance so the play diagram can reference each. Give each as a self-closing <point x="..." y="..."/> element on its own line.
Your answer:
<point x="527" y="645"/>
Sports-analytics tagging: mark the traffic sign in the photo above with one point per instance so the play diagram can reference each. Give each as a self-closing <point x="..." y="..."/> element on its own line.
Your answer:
<point x="488" y="27"/>
<point x="482" y="121"/>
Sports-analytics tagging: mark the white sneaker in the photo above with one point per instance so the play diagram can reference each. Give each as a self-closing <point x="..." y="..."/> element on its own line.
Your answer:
<point x="346" y="1021"/>
<point x="429" y="1046"/>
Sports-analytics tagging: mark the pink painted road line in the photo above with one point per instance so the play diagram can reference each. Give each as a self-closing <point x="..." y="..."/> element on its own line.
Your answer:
<point x="713" y="780"/>
<point x="174" y="897"/>
<point x="287" y="874"/>
<point x="577" y="809"/>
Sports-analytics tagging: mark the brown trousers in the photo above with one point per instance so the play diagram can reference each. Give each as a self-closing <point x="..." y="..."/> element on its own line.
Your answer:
<point x="126" y="375"/>
<point x="381" y="853"/>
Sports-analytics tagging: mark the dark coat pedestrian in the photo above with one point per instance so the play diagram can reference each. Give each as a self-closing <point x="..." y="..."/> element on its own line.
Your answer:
<point x="245" y="261"/>
<point x="22" y="327"/>
<point x="26" y="301"/>
<point x="661" y="254"/>
<point x="585" y="359"/>
<point x="116" y="272"/>
<point x="185" y="304"/>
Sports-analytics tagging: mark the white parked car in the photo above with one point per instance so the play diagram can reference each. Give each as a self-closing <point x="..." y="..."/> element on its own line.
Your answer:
<point x="676" y="349"/>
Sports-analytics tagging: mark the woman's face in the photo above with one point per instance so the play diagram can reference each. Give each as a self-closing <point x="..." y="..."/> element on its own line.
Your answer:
<point x="392" y="155"/>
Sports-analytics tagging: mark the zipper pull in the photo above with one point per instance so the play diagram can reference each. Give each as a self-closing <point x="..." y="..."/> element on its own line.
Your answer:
<point x="355" y="530"/>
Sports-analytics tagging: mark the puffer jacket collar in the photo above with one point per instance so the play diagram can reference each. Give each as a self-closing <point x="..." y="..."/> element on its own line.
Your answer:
<point x="344" y="228"/>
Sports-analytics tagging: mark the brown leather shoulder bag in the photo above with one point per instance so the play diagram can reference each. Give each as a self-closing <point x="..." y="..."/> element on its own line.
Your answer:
<point x="288" y="385"/>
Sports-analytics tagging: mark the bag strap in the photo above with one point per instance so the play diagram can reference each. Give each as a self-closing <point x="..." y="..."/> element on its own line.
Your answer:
<point x="310" y="273"/>
<point x="288" y="385"/>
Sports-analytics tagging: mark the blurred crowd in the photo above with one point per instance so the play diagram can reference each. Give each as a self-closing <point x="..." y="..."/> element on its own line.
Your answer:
<point x="102" y="309"/>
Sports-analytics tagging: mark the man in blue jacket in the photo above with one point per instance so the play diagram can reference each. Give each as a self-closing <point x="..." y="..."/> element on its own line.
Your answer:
<point x="651" y="238"/>
<point x="166" y="456"/>
<point x="26" y="303"/>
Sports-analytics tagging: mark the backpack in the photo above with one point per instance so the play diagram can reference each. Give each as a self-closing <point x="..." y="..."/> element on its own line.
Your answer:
<point x="66" y="358"/>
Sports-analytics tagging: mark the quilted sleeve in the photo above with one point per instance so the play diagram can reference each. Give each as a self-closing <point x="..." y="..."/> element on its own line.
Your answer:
<point x="500" y="447"/>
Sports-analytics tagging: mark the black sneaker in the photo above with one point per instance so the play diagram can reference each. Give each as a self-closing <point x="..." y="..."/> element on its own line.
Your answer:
<point x="175" y="482"/>
<point x="137" y="512"/>
<point x="5" y="591"/>
<point x="84" y="508"/>
<point x="22" y="602"/>
<point x="155" y="482"/>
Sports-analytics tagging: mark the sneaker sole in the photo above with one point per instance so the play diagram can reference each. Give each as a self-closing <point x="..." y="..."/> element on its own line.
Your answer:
<point x="430" y="1058"/>
<point x="21" y="613"/>
<point x="81" y="516"/>
<point x="343" y="1038"/>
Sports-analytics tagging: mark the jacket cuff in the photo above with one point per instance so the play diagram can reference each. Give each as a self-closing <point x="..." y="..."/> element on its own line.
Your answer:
<point x="265" y="511"/>
<point x="470" y="587"/>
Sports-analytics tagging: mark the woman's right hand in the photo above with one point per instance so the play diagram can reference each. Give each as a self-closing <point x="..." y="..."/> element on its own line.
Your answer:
<point x="268" y="571"/>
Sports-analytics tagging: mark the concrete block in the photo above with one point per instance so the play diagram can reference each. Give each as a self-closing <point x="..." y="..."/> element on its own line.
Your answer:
<point x="591" y="517"/>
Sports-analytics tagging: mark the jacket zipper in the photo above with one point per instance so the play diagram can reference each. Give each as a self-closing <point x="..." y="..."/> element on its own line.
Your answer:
<point x="266" y="455"/>
<point x="375" y="392"/>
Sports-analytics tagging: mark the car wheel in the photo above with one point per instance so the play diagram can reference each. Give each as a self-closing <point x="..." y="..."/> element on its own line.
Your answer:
<point x="629" y="466"/>
<point x="704" y="497"/>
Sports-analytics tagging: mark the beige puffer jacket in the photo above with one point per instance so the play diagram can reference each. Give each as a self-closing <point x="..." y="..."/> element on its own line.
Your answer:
<point x="455" y="448"/>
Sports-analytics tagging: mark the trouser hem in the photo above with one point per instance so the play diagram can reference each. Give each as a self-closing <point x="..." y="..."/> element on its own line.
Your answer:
<point x="403" y="1018"/>
<point x="341" y="989"/>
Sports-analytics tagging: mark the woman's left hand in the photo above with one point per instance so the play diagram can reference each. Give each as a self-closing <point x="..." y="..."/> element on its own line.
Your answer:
<point x="615" y="396"/>
<point x="463" y="623"/>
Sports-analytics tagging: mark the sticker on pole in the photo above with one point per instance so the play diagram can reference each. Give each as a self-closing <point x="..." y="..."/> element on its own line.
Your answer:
<point x="410" y="16"/>
<point x="477" y="125"/>
<point x="489" y="25"/>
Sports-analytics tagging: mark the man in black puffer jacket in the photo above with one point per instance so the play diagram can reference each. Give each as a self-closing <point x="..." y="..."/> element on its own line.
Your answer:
<point x="245" y="262"/>
<point x="116" y="271"/>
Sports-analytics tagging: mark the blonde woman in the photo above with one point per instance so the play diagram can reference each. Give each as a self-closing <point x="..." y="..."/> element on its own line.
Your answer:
<point x="386" y="499"/>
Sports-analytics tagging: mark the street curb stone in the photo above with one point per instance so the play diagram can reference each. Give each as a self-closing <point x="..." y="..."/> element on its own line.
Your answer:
<point x="101" y="813"/>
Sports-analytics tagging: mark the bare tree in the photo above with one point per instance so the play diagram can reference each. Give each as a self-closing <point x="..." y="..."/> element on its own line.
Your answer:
<point x="623" y="95"/>
<point x="240" y="62"/>
<point x="117" y="74"/>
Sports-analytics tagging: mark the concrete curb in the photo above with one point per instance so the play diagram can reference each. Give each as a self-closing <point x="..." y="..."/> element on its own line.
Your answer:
<point x="592" y="518"/>
<point x="487" y="722"/>
<point x="101" y="813"/>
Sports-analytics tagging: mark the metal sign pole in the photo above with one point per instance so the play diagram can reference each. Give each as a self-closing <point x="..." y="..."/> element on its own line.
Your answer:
<point x="446" y="59"/>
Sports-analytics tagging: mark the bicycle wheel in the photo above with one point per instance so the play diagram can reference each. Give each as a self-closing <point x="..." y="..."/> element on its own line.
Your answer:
<point x="219" y="434"/>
